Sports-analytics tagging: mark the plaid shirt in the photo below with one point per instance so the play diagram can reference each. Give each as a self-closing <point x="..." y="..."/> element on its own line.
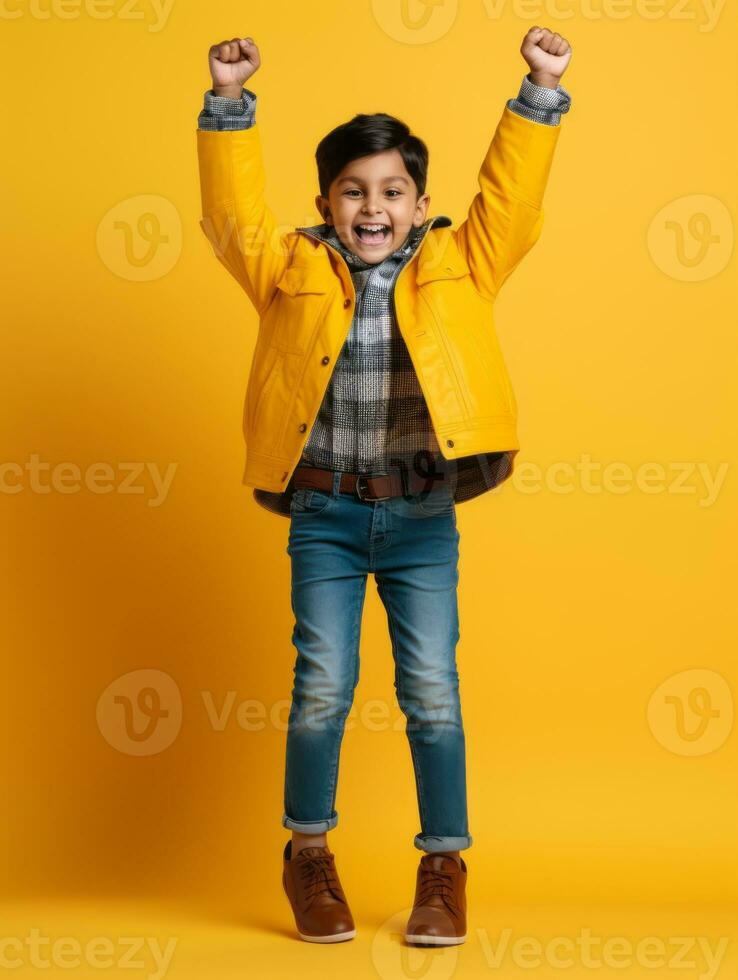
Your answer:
<point x="374" y="414"/>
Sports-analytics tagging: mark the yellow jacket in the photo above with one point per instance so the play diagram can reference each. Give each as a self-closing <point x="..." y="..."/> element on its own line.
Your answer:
<point x="444" y="297"/>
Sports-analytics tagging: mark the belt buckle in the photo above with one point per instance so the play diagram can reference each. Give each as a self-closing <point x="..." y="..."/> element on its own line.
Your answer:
<point x="359" y="478"/>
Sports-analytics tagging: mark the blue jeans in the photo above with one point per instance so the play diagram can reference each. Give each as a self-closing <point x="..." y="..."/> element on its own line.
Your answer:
<point x="411" y="546"/>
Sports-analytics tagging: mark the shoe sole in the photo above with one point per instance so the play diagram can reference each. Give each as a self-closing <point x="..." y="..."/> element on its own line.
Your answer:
<point x="435" y="940"/>
<point x="339" y="937"/>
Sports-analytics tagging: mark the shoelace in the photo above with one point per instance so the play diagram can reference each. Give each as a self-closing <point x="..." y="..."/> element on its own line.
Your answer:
<point x="434" y="882"/>
<point x="318" y="878"/>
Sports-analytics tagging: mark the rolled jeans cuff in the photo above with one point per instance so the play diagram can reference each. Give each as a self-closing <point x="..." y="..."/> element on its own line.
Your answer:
<point x="430" y="844"/>
<point x="310" y="827"/>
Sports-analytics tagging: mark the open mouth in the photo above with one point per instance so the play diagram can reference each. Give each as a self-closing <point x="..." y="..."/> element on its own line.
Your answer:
<point x="372" y="233"/>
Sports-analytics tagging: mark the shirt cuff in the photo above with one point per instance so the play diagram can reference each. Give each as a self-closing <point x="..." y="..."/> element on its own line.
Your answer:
<point x="539" y="103"/>
<point x="220" y="112"/>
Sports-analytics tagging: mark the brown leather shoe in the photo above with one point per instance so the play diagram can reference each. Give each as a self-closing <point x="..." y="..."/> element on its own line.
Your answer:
<point x="319" y="905"/>
<point x="438" y="917"/>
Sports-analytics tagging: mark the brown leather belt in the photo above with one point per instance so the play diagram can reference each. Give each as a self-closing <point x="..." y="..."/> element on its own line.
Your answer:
<point x="366" y="486"/>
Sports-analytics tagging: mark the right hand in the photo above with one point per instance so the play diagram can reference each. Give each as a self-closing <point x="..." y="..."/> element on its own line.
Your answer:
<point x="231" y="64"/>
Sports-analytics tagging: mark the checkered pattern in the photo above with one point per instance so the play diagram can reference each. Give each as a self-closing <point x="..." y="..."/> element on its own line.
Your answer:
<point x="540" y="104"/>
<point x="221" y="113"/>
<point x="374" y="415"/>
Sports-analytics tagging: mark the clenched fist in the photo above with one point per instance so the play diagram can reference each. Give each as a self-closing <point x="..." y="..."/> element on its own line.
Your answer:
<point x="231" y="64"/>
<point x="547" y="55"/>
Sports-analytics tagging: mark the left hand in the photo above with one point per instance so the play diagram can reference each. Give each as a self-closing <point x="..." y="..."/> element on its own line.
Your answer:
<point x="547" y="54"/>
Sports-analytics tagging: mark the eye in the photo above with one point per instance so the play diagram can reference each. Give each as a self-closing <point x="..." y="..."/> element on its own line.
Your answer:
<point x="394" y="191"/>
<point x="353" y="190"/>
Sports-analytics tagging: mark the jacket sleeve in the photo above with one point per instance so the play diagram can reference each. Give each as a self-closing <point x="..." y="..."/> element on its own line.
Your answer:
<point x="235" y="216"/>
<point x="505" y="218"/>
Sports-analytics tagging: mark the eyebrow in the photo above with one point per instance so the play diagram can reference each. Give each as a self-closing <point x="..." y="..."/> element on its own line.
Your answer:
<point x="358" y="180"/>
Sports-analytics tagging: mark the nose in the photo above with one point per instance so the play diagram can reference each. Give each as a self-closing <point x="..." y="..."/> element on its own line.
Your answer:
<point x="371" y="208"/>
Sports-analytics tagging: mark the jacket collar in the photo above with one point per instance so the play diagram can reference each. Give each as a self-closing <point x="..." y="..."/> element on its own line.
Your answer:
<point x="327" y="233"/>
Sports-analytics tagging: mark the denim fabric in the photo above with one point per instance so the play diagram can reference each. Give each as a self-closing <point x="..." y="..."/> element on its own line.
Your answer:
<point x="411" y="545"/>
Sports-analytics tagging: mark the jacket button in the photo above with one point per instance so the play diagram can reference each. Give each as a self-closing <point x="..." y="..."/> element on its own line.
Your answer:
<point x="346" y="303"/>
<point x="325" y="359"/>
<point x="449" y="442"/>
<point x="303" y="426"/>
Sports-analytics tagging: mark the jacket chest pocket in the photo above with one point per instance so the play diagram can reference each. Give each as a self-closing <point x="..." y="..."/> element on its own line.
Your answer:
<point x="301" y="299"/>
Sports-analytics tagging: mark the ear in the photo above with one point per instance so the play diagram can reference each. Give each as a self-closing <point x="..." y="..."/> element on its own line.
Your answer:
<point x="321" y="203"/>
<point x="421" y="210"/>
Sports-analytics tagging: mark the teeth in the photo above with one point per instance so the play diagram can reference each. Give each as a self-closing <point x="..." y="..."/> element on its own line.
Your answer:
<point x="373" y="227"/>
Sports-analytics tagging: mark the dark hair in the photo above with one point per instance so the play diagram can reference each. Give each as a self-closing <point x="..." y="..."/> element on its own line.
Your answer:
<point x="366" y="134"/>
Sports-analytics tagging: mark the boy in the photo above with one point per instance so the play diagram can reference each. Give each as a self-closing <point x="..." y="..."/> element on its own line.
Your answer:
<point x="376" y="402"/>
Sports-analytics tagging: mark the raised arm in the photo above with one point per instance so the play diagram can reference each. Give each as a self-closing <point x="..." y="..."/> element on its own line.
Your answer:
<point x="505" y="218"/>
<point x="235" y="217"/>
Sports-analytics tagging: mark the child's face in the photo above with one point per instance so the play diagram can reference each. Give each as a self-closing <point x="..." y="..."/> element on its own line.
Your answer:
<point x="375" y="189"/>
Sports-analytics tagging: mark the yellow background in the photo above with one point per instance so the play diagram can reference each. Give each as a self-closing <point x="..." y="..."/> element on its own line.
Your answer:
<point x="575" y="606"/>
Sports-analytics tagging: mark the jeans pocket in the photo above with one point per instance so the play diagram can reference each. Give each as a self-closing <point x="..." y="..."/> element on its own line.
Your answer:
<point x="309" y="501"/>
